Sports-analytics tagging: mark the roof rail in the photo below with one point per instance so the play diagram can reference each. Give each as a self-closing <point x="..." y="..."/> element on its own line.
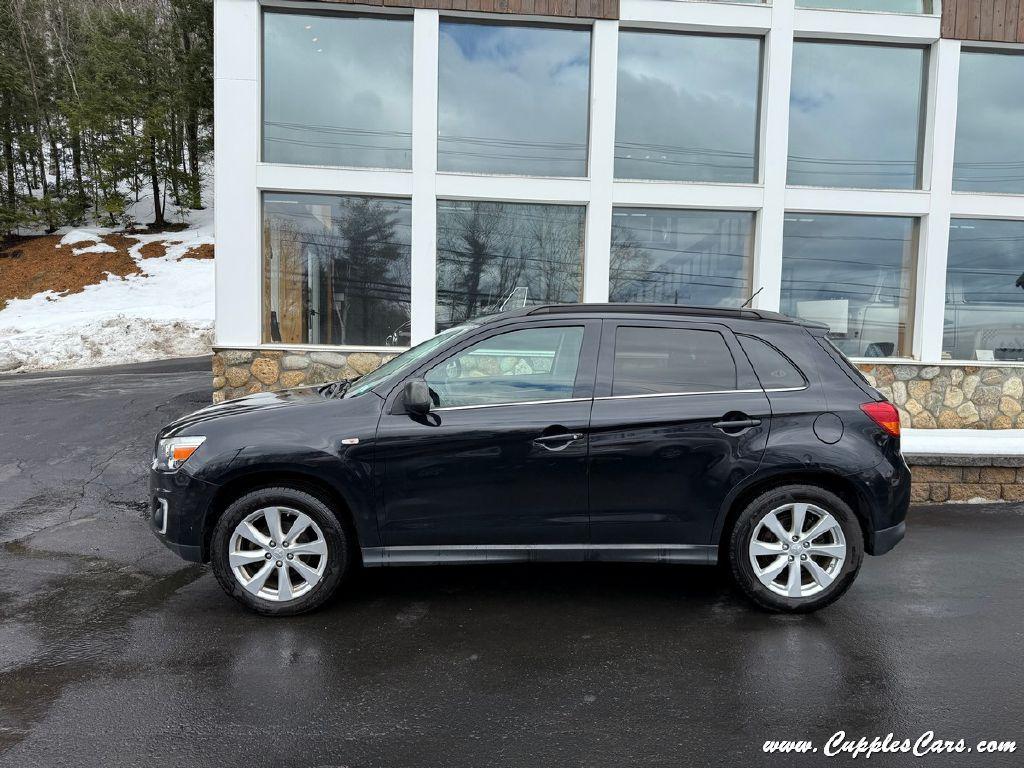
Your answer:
<point x="662" y="309"/>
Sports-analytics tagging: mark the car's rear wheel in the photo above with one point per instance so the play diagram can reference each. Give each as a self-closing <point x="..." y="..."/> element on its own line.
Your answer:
<point x="280" y="551"/>
<point x="796" y="548"/>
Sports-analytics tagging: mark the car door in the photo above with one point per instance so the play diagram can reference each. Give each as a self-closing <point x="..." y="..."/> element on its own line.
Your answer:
<point x="678" y="419"/>
<point x="501" y="458"/>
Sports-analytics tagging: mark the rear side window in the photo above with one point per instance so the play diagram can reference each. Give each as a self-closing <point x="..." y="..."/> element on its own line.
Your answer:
<point x="652" y="361"/>
<point x="773" y="369"/>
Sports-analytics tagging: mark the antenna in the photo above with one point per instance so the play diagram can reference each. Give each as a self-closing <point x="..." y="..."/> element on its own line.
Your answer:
<point x="752" y="297"/>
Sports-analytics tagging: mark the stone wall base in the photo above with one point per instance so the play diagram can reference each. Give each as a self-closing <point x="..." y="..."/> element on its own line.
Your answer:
<point x="966" y="478"/>
<point x="239" y="372"/>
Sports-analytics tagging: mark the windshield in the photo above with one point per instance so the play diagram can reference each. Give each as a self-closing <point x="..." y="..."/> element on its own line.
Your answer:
<point x="405" y="360"/>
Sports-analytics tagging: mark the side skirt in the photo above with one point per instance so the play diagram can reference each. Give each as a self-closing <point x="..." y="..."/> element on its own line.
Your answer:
<point x="694" y="554"/>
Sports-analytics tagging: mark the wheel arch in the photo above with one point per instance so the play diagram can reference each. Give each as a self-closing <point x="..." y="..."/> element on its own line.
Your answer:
<point x="833" y="482"/>
<point x="257" y="478"/>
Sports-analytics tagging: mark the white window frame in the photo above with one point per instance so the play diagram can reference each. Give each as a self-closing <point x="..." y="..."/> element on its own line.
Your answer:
<point x="241" y="178"/>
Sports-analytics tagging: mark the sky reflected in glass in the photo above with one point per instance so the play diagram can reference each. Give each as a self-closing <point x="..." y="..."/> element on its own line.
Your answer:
<point x="337" y="90"/>
<point x="687" y="107"/>
<point x="989" y="155"/>
<point x="513" y="99"/>
<point x="855" y="116"/>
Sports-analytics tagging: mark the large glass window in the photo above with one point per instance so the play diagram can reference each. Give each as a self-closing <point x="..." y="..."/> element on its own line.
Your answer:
<point x="337" y="90"/>
<point x="513" y="99"/>
<point x="855" y="274"/>
<point x="335" y="269"/>
<point x="855" y="115"/>
<point x="884" y="6"/>
<point x="985" y="290"/>
<point x="659" y="361"/>
<point x="681" y="257"/>
<point x="515" y="367"/>
<point x="493" y="255"/>
<point x="989" y="155"/>
<point x="687" y="107"/>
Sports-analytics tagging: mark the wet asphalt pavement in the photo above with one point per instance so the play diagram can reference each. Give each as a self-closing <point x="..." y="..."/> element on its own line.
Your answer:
<point x="115" y="653"/>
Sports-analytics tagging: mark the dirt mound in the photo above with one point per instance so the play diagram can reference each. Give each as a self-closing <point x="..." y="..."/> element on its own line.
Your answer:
<point x="37" y="264"/>
<point x="204" y="251"/>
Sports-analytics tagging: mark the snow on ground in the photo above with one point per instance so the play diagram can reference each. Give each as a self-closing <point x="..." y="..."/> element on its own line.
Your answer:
<point x="165" y="312"/>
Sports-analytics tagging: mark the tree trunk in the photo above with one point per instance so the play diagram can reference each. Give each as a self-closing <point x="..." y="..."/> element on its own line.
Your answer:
<point x="172" y="171"/>
<point x="158" y="211"/>
<point x="194" y="182"/>
<point x="55" y="159"/>
<point x="12" y="192"/>
<point x="76" y="163"/>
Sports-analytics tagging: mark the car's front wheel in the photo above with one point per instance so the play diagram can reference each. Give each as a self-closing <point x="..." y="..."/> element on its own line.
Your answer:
<point x="280" y="551"/>
<point x="796" y="548"/>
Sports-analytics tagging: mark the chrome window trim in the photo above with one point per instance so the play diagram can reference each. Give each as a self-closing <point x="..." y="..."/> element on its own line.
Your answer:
<point x="702" y="392"/>
<point x="524" y="402"/>
<point x="621" y="397"/>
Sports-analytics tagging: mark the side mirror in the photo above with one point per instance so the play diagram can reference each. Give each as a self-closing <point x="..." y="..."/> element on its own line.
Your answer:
<point x="416" y="397"/>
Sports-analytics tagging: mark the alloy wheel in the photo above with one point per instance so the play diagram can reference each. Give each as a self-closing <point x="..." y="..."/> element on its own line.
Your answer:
<point x="797" y="550"/>
<point x="278" y="553"/>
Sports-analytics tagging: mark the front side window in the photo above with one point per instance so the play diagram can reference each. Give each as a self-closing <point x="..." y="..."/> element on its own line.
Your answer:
<point x="336" y="270"/>
<point x="855" y="115"/>
<point x="985" y="290"/>
<point x="855" y="275"/>
<point x="515" y="367"/>
<point x="989" y="153"/>
<point x="653" y="361"/>
<point x="337" y="90"/>
<point x="513" y="99"/>
<point x="687" y="107"/>
<point x="681" y="257"/>
<point x="493" y="256"/>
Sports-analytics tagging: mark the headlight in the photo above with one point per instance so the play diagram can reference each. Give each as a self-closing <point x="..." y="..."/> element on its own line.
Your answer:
<point x="172" y="452"/>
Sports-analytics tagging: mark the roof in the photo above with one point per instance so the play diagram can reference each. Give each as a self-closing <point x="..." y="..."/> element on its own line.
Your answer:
<point x="660" y="309"/>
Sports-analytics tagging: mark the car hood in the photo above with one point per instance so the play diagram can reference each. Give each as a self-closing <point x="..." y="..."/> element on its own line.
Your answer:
<point x="261" y="402"/>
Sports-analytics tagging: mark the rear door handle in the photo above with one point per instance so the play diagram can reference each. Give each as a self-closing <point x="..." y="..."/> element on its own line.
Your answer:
<point x="559" y="441"/>
<point x="736" y="424"/>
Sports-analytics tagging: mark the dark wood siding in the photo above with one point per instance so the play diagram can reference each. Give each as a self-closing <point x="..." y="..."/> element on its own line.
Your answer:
<point x="575" y="9"/>
<point x="991" y="20"/>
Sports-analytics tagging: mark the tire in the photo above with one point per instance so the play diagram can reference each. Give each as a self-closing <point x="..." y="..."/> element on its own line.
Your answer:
<point x="312" y="577"/>
<point x="816" y="565"/>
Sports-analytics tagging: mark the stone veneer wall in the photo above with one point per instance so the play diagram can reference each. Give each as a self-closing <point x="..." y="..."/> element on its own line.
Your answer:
<point x="951" y="396"/>
<point x="966" y="478"/>
<point x="239" y="372"/>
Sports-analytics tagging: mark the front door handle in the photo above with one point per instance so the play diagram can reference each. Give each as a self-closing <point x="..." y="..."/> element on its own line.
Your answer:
<point x="559" y="441"/>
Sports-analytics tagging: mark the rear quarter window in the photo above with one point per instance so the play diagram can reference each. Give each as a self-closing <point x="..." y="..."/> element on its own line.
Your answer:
<point x="774" y="370"/>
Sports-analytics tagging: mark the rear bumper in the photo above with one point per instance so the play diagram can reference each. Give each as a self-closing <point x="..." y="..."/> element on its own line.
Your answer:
<point x="177" y="509"/>
<point x="887" y="538"/>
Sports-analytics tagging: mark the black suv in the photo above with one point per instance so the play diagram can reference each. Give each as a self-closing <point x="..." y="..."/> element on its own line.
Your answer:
<point x="659" y="434"/>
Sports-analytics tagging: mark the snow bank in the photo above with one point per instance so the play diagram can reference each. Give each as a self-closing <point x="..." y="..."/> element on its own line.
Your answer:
<point x="79" y="236"/>
<point x="165" y="312"/>
<point x="95" y="248"/>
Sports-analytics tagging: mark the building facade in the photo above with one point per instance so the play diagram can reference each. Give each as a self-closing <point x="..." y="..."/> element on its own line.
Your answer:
<point x="387" y="169"/>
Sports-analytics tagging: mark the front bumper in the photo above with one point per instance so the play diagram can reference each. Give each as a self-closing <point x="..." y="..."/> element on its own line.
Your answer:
<point x="177" y="510"/>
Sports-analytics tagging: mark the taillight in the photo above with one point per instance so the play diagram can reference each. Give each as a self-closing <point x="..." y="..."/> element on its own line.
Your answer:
<point x="884" y="415"/>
